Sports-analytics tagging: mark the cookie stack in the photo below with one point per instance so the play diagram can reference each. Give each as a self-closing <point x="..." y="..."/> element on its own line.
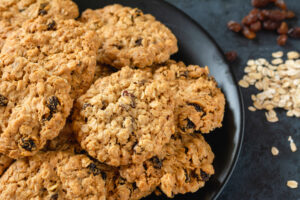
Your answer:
<point x="94" y="108"/>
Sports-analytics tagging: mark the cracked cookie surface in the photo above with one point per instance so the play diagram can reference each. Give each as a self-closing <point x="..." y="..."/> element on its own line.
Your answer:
<point x="13" y="13"/>
<point x="34" y="106"/>
<point x="200" y="104"/>
<point x="53" y="175"/>
<point x="130" y="38"/>
<point x="124" y="118"/>
<point x="63" y="47"/>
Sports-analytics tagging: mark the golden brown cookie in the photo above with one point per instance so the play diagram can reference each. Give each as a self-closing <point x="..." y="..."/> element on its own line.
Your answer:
<point x="200" y="103"/>
<point x="124" y="118"/>
<point x="130" y="38"/>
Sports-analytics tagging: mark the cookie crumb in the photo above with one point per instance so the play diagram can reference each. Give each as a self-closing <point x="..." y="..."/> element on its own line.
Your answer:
<point x="274" y="151"/>
<point x="292" y="144"/>
<point x="292" y="184"/>
<point x="251" y="108"/>
<point x="277" y="54"/>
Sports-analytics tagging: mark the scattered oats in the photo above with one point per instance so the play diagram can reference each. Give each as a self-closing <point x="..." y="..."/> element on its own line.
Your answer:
<point x="277" y="54"/>
<point x="292" y="144"/>
<point x="251" y="62"/>
<point x="274" y="151"/>
<point x="251" y="108"/>
<point x="271" y="116"/>
<point x="277" y="61"/>
<point x="243" y="84"/>
<point x="293" y="55"/>
<point x="292" y="184"/>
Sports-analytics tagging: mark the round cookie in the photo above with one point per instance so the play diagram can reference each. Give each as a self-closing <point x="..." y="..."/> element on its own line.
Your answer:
<point x="34" y="106"/>
<point x="63" y="47"/>
<point x="187" y="165"/>
<point x="125" y="118"/>
<point x="53" y="175"/>
<point x="15" y="12"/>
<point x="5" y="162"/>
<point x="130" y="38"/>
<point x="200" y="103"/>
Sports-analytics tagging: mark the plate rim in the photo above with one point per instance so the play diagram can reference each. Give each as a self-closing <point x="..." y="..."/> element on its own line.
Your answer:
<point x="240" y="96"/>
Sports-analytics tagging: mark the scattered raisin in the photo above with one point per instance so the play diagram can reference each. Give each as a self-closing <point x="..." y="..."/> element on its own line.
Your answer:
<point x="261" y="16"/>
<point x="294" y="32"/>
<point x="156" y="162"/>
<point x="282" y="39"/>
<point x="85" y="105"/>
<point x="54" y="197"/>
<point x="51" y="25"/>
<point x="249" y="19"/>
<point x="27" y="144"/>
<point x="255" y="27"/>
<point x="93" y="168"/>
<point x="138" y="42"/>
<point x="260" y="3"/>
<point x="197" y="107"/>
<point x="271" y="25"/>
<point x="190" y="124"/>
<point x="280" y="4"/>
<point x="231" y="56"/>
<point x="248" y="33"/>
<point x="276" y="15"/>
<point x="283" y="29"/>
<point x="204" y="175"/>
<point x="3" y="100"/>
<point x="289" y="14"/>
<point x="52" y="103"/>
<point x="234" y="26"/>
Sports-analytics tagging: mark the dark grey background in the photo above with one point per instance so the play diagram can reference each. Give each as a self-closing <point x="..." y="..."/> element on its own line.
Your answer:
<point x="258" y="175"/>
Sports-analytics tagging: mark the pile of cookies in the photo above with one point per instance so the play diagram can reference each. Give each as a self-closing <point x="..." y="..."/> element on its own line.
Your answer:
<point x="92" y="107"/>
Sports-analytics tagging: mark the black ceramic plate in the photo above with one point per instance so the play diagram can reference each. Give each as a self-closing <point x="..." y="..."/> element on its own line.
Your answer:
<point x="197" y="47"/>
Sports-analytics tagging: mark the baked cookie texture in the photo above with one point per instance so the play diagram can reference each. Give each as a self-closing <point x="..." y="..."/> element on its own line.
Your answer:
<point x="53" y="175"/>
<point x="130" y="38"/>
<point x="103" y="70"/>
<point x="64" y="48"/>
<point x="34" y="106"/>
<point x="13" y="13"/>
<point x="5" y="162"/>
<point x="124" y="118"/>
<point x="200" y="103"/>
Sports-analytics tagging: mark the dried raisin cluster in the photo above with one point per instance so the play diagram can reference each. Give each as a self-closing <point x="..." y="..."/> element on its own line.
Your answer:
<point x="267" y="19"/>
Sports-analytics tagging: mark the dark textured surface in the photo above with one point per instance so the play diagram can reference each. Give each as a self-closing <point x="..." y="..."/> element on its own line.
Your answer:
<point x="258" y="174"/>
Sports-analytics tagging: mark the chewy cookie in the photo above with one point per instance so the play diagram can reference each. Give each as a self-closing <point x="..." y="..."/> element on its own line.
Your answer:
<point x="53" y="175"/>
<point x="34" y="106"/>
<point x="63" y="47"/>
<point x="14" y="13"/>
<point x="125" y="117"/>
<point x="200" y="103"/>
<point x="130" y="38"/>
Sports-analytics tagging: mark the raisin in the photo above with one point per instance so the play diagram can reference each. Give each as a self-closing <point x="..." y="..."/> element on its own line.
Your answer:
<point x="47" y="117"/>
<point x="234" y="26"/>
<point x="260" y="3"/>
<point x="248" y="33"/>
<point x="54" y="197"/>
<point x="271" y="25"/>
<point x="43" y="12"/>
<point x="255" y="27"/>
<point x="122" y="181"/>
<point x="126" y="93"/>
<point x="190" y="124"/>
<point x="93" y="168"/>
<point x="3" y="100"/>
<point x="280" y="4"/>
<point x="28" y="144"/>
<point x="133" y="103"/>
<point x="249" y="19"/>
<point x="134" y="186"/>
<point x="156" y="162"/>
<point x="282" y="39"/>
<point x="276" y="15"/>
<point x="294" y="32"/>
<point x="186" y="150"/>
<point x="261" y="16"/>
<point x="104" y="176"/>
<point x="283" y="29"/>
<point x="118" y="46"/>
<point x="204" y="176"/>
<point x="197" y="107"/>
<point x="187" y="177"/>
<point x="51" y="25"/>
<point x="289" y="14"/>
<point x="52" y="103"/>
<point x="21" y="10"/>
<point x="85" y="105"/>
<point x="138" y="42"/>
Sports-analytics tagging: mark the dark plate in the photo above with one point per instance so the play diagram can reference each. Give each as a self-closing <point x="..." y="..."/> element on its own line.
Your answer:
<point x="197" y="47"/>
